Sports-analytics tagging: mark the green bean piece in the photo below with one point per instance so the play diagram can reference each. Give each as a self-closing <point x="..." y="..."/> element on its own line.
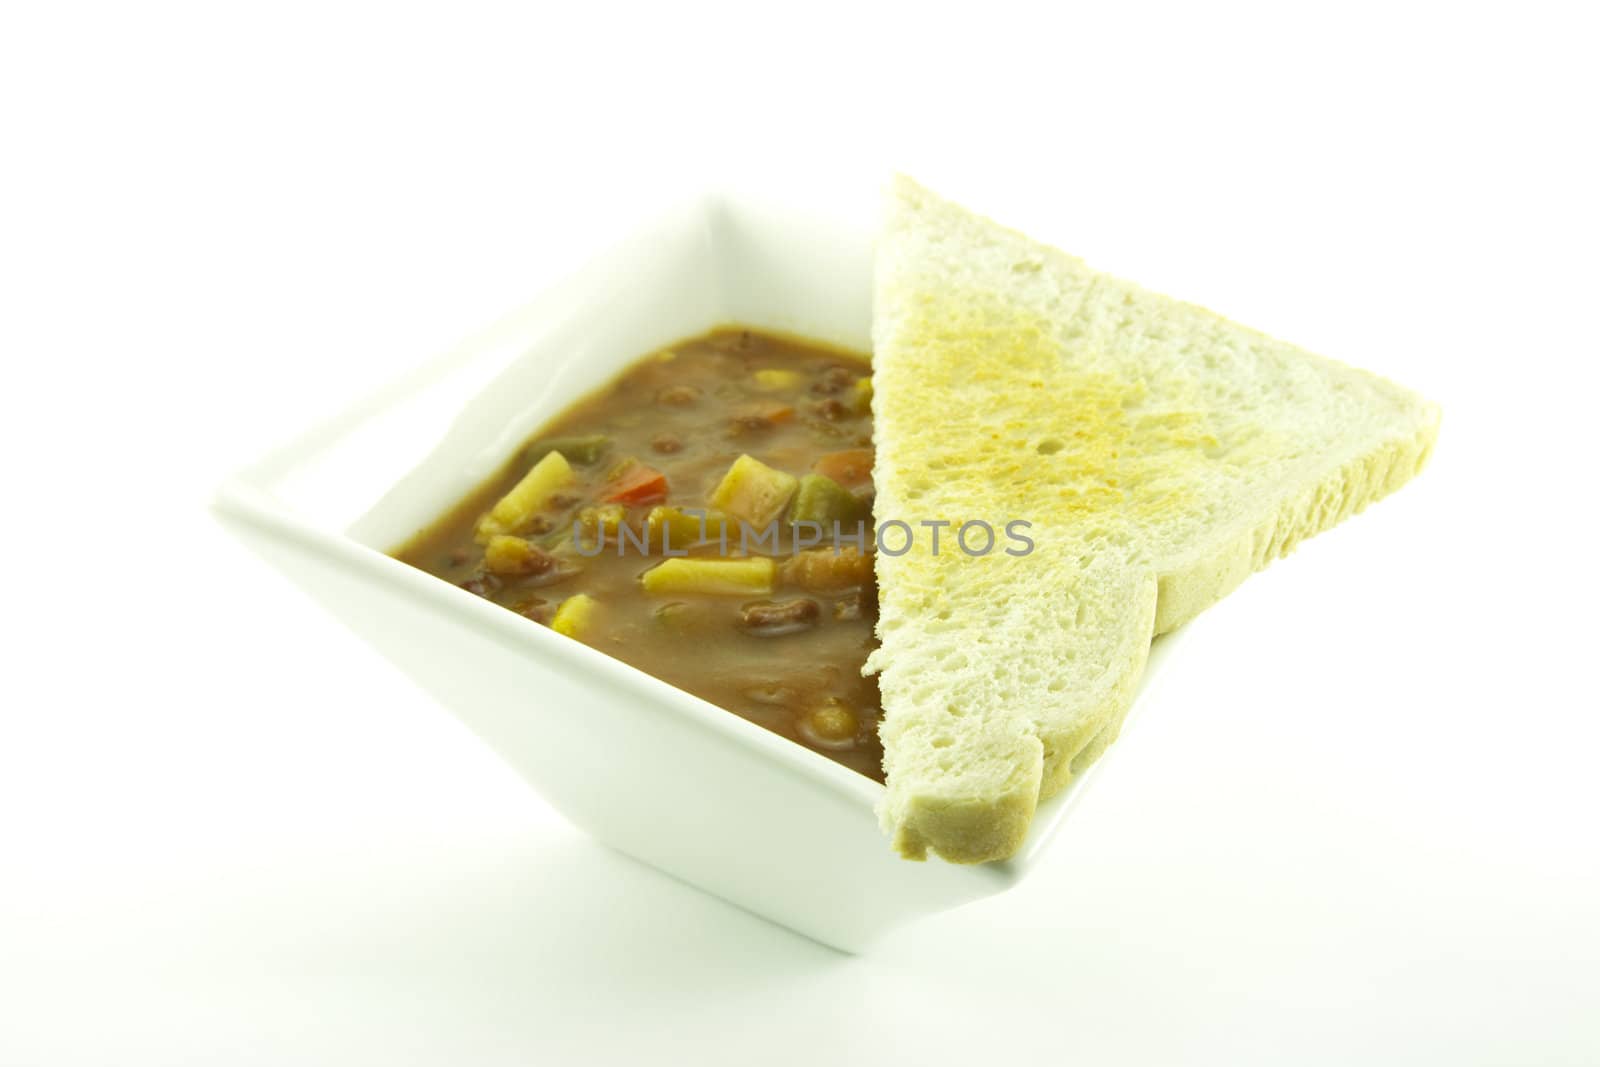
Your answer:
<point x="822" y="500"/>
<point x="580" y="450"/>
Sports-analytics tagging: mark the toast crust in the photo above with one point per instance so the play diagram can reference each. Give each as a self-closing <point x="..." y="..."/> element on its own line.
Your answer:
<point x="1191" y="587"/>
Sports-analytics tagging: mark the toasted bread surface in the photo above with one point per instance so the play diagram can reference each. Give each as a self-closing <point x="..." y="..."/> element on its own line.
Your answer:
<point x="1158" y="453"/>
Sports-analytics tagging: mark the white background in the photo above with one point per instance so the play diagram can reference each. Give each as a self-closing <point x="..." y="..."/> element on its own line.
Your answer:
<point x="1359" y="823"/>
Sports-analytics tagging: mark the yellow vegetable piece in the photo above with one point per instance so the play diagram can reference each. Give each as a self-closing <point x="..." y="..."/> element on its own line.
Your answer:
<point x="753" y="491"/>
<point x="507" y="555"/>
<point x="861" y="396"/>
<point x="574" y="615"/>
<point x="604" y="518"/>
<point x="753" y="576"/>
<point x="772" y="379"/>
<point x="834" y="721"/>
<point x="684" y="528"/>
<point x="525" y="499"/>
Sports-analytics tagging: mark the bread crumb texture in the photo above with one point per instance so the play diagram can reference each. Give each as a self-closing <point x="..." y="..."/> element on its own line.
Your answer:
<point x="1160" y="454"/>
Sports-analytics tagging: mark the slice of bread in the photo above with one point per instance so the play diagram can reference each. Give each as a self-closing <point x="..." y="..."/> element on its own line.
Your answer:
<point x="1160" y="453"/>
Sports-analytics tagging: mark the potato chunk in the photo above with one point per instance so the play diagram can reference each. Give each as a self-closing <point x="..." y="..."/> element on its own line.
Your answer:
<point x="774" y="379"/>
<point x="603" y="521"/>
<point x="574" y="615"/>
<point x="753" y="576"/>
<point x="861" y="396"/>
<point x="754" y="492"/>
<point x="522" y="503"/>
<point x="512" y="556"/>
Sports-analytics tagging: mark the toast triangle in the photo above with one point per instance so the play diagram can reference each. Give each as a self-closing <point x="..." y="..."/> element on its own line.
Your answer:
<point x="1160" y="453"/>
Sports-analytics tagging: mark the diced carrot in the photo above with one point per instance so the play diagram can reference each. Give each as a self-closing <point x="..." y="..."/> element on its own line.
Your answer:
<point x="771" y="414"/>
<point x="760" y="420"/>
<point x="638" y="484"/>
<point x="851" y="469"/>
<point x="828" y="570"/>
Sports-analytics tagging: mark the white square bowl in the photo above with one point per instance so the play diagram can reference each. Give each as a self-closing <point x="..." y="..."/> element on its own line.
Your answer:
<point x="647" y="768"/>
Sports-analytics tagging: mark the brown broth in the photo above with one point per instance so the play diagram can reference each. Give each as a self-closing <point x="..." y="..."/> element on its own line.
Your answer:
<point x="689" y="412"/>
